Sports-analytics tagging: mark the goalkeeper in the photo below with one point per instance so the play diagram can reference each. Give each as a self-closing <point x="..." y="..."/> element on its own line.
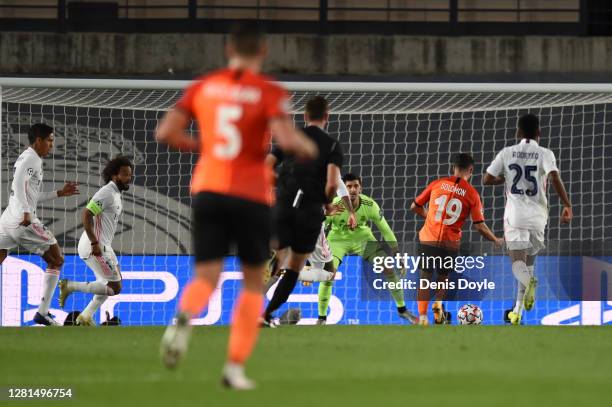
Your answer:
<point x="360" y="241"/>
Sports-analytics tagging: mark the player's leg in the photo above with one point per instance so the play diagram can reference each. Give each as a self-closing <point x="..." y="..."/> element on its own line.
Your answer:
<point x="55" y="260"/>
<point x="252" y="235"/>
<point x="338" y="249"/>
<point x="536" y="238"/>
<point x="321" y="262"/>
<point x="211" y="239"/>
<point x="441" y="316"/>
<point x="369" y="251"/>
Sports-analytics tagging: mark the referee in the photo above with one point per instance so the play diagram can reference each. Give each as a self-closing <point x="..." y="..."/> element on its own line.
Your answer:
<point x="303" y="188"/>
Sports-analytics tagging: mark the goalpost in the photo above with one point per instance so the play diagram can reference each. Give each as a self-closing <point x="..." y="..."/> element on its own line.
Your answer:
<point x="397" y="136"/>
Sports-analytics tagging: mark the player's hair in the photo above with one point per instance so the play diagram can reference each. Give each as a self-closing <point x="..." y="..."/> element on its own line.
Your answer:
<point x="529" y="124"/>
<point x="39" y="130"/>
<point x="114" y="166"/>
<point x="352" y="177"/>
<point x="247" y="39"/>
<point x="463" y="161"/>
<point x="317" y="107"/>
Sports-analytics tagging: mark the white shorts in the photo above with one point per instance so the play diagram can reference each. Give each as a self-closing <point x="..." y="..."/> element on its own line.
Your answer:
<point x="105" y="267"/>
<point x="34" y="238"/>
<point x="531" y="240"/>
<point x="322" y="253"/>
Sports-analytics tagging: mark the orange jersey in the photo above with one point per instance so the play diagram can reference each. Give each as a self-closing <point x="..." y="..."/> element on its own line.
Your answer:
<point x="451" y="200"/>
<point x="233" y="109"/>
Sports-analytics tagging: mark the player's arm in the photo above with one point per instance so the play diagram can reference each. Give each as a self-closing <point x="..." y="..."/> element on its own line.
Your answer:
<point x="567" y="214"/>
<point x="93" y="208"/>
<point x="70" y="188"/>
<point x="379" y="220"/>
<point x="171" y="131"/>
<point x="495" y="172"/>
<point x="23" y="172"/>
<point x="291" y="140"/>
<point x="418" y="205"/>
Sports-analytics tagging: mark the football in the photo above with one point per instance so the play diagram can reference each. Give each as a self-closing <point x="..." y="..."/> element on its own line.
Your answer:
<point x="469" y="314"/>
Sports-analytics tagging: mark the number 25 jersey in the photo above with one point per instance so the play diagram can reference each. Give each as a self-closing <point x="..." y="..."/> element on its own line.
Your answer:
<point x="233" y="109"/>
<point x="525" y="167"/>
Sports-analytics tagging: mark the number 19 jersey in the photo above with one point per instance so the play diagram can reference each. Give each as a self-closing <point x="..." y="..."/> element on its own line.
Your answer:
<point x="451" y="201"/>
<point x="233" y="109"/>
<point x="525" y="167"/>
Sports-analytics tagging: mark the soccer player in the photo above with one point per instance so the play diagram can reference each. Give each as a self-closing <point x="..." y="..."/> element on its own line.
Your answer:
<point x="231" y="188"/>
<point x="525" y="168"/>
<point x="360" y="241"/>
<point x="302" y="190"/>
<point x="19" y="225"/>
<point x="451" y="201"/>
<point x="100" y="219"/>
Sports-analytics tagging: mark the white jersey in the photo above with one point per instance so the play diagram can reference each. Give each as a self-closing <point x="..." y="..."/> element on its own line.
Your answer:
<point x="525" y="167"/>
<point x="26" y="188"/>
<point x="106" y="206"/>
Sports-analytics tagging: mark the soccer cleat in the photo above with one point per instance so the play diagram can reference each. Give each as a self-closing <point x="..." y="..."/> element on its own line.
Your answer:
<point x="321" y="321"/>
<point x="267" y="322"/>
<point x="234" y="378"/>
<point x="175" y="341"/>
<point x="64" y="293"/>
<point x="515" y="318"/>
<point x="46" y="320"/>
<point x="408" y="316"/>
<point x="439" y="315"/>
<point x="530" y="294"/>
<point x="85" y="320"/>
<point x="423" y="320"/>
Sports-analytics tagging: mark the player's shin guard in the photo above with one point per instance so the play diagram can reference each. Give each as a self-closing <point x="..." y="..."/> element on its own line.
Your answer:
<point x="245" y="326"/>
<point x="314" y="274"/>
<point x="195" y="297"/>
<point x="50" y="279"/>
<point x="94" y="287"/>
<point x="521" y="272"/>
<point x="325" y="292"/>
<point x="396" y="293"/>
<point x="283" y="291"/>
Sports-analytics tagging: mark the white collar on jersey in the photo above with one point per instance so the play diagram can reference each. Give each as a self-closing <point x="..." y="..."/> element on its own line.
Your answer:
<point x="115" y="187"/>
<point x="529" y="140"/>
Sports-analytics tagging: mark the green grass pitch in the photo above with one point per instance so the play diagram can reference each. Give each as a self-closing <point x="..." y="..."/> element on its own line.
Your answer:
<point x="321" y="366"/>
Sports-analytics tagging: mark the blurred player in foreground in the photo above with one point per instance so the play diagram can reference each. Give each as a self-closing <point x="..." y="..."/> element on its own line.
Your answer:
<point x="360" y="240"/>
<point x="231" y="187"/>
<point x="451" y="201"/>
<point x="19" y="225"/>
<point x="100" y="219"/>
<point x="525" y="168"/>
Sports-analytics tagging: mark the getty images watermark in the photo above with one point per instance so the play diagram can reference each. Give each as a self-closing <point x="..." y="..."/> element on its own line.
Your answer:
<point x="409" y="264"/>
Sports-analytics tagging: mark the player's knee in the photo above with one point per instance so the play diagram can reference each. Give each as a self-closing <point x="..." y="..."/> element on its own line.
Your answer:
<point x="57" y="262"/>
<point x="115" y="286"/>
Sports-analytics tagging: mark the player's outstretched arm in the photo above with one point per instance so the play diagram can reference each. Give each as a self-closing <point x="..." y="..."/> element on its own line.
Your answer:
<point x="567" y="214"/>
<point x="484" y="230"/>
<point x="171" y="131"/>
<point x="291" y="140"/>
<point x="70" y="188"/>
<point x="419" y="210"/>
<point x="490" y="179"/>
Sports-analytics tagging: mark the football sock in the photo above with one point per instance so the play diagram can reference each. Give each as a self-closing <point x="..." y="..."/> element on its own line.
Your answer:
<point x="195" y="297"/>
<point x="520" y="295"/>
<point x="521" y="272"/>
<point x="283" y="291"/>
<point x="396" y="293"/>
<point x="271" y="281"/>
<point x="423" y="305"/>
<point x="94" y="287"/>
<point x="531" y="270"/>
<point x="49" y="283"/>
<point x="313" y="274"/>
<point x="325" y="292"/>
<point x="94" y="304"/>
<point x="245" y="326"/>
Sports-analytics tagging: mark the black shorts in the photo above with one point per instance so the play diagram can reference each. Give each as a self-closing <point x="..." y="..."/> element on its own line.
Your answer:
<point x="223" y="221"/>
<point x="433" y="253"/>
<point x="298" y="228"/>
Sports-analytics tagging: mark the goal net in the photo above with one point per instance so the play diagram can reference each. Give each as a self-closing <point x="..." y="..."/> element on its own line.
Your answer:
<point x="397" y="137"/>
